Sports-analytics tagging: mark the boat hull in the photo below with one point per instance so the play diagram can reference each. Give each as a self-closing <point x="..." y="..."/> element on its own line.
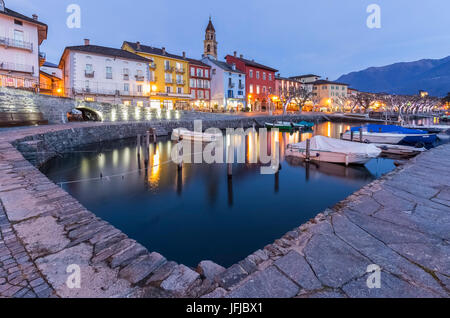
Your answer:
<point x="195" y="136"/>
<point x="377" y="138"/>
<point x="332" y="157"/>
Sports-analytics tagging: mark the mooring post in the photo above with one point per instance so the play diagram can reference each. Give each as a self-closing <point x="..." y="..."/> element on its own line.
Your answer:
<point x="351" y="135"/>
<point x="147" y="140"/>
<point x="138" y="145"/>
<point x="230" y="162"/>
<point x="308" y="149"/>
<point x="360" y="135"/>
<point x="154" y="134"/>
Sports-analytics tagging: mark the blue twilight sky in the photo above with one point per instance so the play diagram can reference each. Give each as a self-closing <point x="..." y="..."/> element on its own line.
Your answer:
<point x="325" y="37"/>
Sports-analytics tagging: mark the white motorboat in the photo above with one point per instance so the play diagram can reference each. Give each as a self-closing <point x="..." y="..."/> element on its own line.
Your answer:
<point x="374" y="137"/>
<point x="182" y="133"/>
<point x="334" y="150"/>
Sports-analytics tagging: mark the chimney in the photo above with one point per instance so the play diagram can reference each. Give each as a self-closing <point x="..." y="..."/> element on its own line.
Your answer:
<point x="86" y="42"/>
<point x="241" y="56"/>
<point x="35" y="17"/>
<point x="138" y="45"/>
<point x="235" y="54"/>
<point x="184" y="54"/>
<point x="163" y="50"/>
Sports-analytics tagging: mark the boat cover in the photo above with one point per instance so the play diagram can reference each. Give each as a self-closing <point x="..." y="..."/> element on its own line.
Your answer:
<point x="388" y="129"/>
<point x="322" y="143"/>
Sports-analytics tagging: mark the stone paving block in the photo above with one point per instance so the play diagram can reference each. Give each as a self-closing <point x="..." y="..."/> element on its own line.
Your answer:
<point x="231" y="276"/>
<point x="209" y="269"/>
<point x="391" y="287"/>
<point x="270" y="283"/>
<point x="434" y="257"/>
<point x="96" y="280"/>
<point x="322" y="294"/>
<point x="126" y="256"/>
<point x="333" y="261"/>
<point x="161" y="273"/>
<point x="382" y="255"/>
<point x="296" y="268"/>
<point x="42" y="236"/>
<point x="180" y="280"/>
<point x="142" y="267"/>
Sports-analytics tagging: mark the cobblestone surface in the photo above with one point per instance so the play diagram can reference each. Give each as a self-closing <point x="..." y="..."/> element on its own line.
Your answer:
<point x="400" y="222"/>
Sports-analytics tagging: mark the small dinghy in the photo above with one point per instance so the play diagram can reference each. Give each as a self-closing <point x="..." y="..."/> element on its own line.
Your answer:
<point x="304" y="124"/>
<point x="334" y="150"/>
<point x="388" y="134"/>
<point x="181" y="133"/>
<point x="399" y="150"/>
<point x="281" y="125"/>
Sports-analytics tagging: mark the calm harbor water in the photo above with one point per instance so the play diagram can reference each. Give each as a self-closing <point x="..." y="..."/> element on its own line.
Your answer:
<point x="198" y="213"/>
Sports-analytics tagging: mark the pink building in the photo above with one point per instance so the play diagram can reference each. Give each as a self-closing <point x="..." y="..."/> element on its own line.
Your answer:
<point x="20" y="58"/>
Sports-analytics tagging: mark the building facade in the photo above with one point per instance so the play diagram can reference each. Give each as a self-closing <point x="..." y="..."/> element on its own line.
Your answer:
<point x="199" y="84"/>
<point x="103" y="74"/>
<point x="227" y="85"/>
<point x="169" y="76"/>
<point x="324" y="92"/>
<point x="307" y="80"/>
<point x="20" y="57"/>
<point x="259" y="81"/>
<point x="283" y="85"/>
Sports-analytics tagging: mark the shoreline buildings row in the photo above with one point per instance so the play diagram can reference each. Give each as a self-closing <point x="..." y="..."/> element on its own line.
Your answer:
<point x="141" y="75"/>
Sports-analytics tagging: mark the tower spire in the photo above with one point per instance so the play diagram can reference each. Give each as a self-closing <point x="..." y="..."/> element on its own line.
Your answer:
<point x="210" y="43"/>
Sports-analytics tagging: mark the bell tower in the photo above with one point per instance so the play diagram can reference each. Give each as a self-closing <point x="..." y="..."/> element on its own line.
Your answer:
<point x="210" y="43"/>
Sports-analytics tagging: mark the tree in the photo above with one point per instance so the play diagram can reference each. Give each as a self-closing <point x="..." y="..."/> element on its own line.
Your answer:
<point x="446" y="99"/>
<point x="362" y="101"/>
<point x="299" y="95"/>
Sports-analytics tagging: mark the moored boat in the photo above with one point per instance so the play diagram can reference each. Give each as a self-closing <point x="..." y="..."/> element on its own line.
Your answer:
<point x="333" y="150"/>
<point x="281" y="125"/>
<point x="400" y="150"/>
<point x="388" y="134"/>
<point x="182" y="133"/>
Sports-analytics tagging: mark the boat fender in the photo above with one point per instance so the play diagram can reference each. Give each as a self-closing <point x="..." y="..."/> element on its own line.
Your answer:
<point x="366" y="141"/>
<point x="317" y="154"/>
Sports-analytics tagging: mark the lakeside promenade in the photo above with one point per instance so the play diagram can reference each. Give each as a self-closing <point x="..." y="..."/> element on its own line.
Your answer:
<point x="400" y="222"/>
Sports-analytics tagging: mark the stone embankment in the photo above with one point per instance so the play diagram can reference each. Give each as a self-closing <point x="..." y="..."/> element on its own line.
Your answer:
<point x="400" y="222"/>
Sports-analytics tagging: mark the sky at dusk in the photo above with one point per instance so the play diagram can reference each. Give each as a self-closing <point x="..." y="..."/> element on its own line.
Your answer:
<point x="324" y="37"/>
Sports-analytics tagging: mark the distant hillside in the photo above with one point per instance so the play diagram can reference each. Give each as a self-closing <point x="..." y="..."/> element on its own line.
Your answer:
<point x="403" y="78"/>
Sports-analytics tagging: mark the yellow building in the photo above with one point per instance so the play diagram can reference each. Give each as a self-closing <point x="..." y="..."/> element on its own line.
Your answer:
<point x="169" y="77"/>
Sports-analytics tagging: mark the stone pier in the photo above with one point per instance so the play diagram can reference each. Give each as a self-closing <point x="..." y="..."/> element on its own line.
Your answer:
<point x="400" y="222"/>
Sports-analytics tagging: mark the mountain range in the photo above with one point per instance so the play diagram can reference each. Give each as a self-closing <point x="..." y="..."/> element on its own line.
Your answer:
<point x="405" y="78"/>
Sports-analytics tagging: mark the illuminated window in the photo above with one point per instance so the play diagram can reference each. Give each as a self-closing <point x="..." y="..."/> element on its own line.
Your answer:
<point x="140" y="103"/>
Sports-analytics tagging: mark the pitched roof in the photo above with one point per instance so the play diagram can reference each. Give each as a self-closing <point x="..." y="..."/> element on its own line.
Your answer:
<point x="225" y="66"/>
<point x="48" y="64"/>
<point x="254" y="64"/>
<point x="210" y="26"/>
<point x="197" y="62"/>
<point x="103" y="50"/>
<point x="152" y="50"/>
<point x="304" y="76"/>
<point x="17" y="15"/>
<point x="322" y="82"/>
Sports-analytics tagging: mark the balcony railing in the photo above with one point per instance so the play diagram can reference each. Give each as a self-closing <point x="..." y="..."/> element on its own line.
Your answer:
<point x="140" y="78"/>
<point x="126" y="77"/>
<point x="168" y="69"/>
<point x="16" y="43"/>
<point x="18" y="82"/>
<point x="231" y="85"/>
<point x="22" y="68"/>
<point x="181" y="82"/>
<point x="241" y="86"/>
<point x="180" y="70"/>
<point x="89" y="74"/>
<point x="169" y="81"/>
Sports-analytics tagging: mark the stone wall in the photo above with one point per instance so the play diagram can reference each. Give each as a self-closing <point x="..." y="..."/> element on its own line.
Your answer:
<point x="55" y="108"/>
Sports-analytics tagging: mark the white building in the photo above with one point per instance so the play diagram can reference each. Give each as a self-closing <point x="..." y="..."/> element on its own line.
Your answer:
<point x="227" y="85"/>
<point x="20" y="58"/>
<point x="307" y="80"/>
<point x="103" y="74"/>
